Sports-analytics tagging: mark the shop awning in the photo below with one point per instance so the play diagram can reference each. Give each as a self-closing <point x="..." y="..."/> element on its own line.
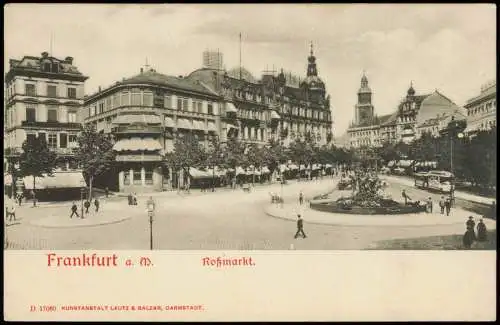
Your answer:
<point x="137" y="118"/>
<point x="230" y="108"/>
<point x="7" y="179"/>
<point x="283" y="168"/>
<point x="265" y="170"/>
<point x="199" y="125"/>
<point x="293" y="167"/>
<point x="404" y="163"/>
<point x="328" y="166"/>
<point x="240" y="171"/>
<point x="169" y="122"/>
<point x="212" y="127"/>
<point x="197" y="173"/>
<point x="57" y="180"/>
<point x="275" y="115"/>
<point x="183" y="123"/>
<point x="315" y="167"/>
<point x="137" y="144"/>
<point x="391" y="163"/>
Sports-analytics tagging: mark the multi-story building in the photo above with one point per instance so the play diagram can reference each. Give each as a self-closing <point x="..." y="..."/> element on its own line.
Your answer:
<point x="481" y="109"/>
<point x="213" y="60"/>
<point x="415" y="114"/>
<point x="43" y="97"/>
<point x="144" y="115"/>
<point x="272" y="107"/>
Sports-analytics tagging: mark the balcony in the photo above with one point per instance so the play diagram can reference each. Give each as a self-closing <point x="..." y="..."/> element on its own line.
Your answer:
<point x="51" y="124"/>
<point x="149" y="129"/>
<point x="63" y="151"/>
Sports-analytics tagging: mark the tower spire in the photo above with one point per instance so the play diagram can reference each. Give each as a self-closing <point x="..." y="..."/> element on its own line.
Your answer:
<point x="312" y="52"/>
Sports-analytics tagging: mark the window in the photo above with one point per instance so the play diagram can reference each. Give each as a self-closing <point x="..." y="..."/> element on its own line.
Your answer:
<point x="168" y="101"/>
<point x="71" y="117"/>
<point x="30" y="90"/>
<point x="46" y="66"/>
<point x="148" y="99"/>
<point x="52" y="141"/>
<point x="63" y="140"/>
<point x="51" y="90"/>
<point x="73" y="141"/>
<point x="42" y="136"/>
<point x="101" y="107"/>
<point x="210" y="108"/>
<point x="179" y="104"/>
<point x="125" y="98"/>
<point x="116" y="100"/>
<point x="30" y="137"/>
<point x="136" y="98"/>
<point x="185" y="104"/>
<point x="126" y="177"/>
<point x="108" y="103"/>
<point x="30" y="112"/>
<point x="71" y="92"/>
<point x="52" y="114"/>
<point x="137" y="177"/>
<point x="55" y="67"/>
<point x="149" y="177"/>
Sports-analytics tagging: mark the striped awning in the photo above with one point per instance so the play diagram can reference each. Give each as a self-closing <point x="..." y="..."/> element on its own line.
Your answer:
<point x="328" y="166"/>
<point x="200" y="125"/>
<point x="391" y="163"/>
<point x="283" y="168"/>
<point x="211" y="126"/>
<point x="275" y="116"/>
<point x="293" y="167"/>
<point x="169" y="122"/>
<point x="57" y="180"/>
<point x="183" y="123"/>
<point x="230" y="108"/>
<point x="137" y="118"/>
<point x="240" y="171"/>
<point x="137" y="144"/>
<point x="404" y="163"/>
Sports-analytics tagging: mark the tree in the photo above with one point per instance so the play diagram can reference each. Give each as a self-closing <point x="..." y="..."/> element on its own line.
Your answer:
<point x="302" y="152"/>
<point x="95" y="154"/>
<point x="274" y="154"/>
<point x="215" y="157"/>
<point x="255" y="157"/>
<point x="187" y="153"/>
<point x="36" y="160"/>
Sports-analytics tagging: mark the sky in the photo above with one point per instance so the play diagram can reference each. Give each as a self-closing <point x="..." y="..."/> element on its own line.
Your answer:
<point x="448" y="47"/>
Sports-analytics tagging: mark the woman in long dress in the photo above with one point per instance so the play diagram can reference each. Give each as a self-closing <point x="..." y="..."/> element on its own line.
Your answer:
<point x="482" y="234"/>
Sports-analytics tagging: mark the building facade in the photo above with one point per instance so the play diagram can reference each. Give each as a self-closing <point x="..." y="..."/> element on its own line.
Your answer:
<point x="414" y="115"/>
<point x="43" y="98"/>
<point x="143" y="116"/>
<point x="482" y="109"/>
<point x="273" y="107"/>
<point x="213" y="60"/>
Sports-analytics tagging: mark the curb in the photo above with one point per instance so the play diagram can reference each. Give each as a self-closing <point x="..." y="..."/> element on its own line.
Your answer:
<point x="81" y="226"/>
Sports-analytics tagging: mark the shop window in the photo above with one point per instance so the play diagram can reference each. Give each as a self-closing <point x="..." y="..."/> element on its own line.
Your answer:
<point x="137" y="177"/>
<point x="63" y="140"/>
<point x="30" y="137"/>
<point x="71" y="92"/>
<point x="52" y="141"/>
<point x="149" y="177"/>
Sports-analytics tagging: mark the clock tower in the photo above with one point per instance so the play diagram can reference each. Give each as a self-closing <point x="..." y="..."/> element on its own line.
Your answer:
<point x="364" y="110"/>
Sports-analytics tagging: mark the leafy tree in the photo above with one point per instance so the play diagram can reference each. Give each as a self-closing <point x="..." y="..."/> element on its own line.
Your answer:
<point x="95" y="154"/>
<point x="302" y="152"/>
<point x="234" y="153"/>
<point x="274" y="154"/>
<point x="36" y="160"/>
<point x="187" y="153"/>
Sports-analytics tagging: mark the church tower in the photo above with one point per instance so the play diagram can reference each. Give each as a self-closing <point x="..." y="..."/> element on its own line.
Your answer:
<point x="364" y="110"/>
<point x="313" y="82"/>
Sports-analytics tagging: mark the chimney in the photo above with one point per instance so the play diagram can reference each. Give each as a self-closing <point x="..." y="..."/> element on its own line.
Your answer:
<point x="99" y="88"/>
<point x="45" y="54"/>
<point x="69" y="60"/>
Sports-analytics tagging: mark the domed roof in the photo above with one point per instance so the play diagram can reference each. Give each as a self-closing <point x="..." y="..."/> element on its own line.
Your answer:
<point x="245" y="74"/>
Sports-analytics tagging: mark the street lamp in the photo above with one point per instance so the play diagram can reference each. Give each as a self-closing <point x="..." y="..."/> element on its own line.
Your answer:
<point x="82" y="195"/>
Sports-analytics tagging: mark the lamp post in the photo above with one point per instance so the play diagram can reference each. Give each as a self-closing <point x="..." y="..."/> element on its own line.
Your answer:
<point x="82" y="195"/>
<point x="151" y="210"/>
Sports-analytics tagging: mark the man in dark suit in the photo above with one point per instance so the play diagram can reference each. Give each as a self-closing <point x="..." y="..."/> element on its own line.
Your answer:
<point x="300" y="227"/>
<point x="74" y="210"/>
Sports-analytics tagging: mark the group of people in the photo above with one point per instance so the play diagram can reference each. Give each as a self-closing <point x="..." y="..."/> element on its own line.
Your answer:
<point x="132" y="199"/>
<point x="86" y="205"/>
<point x="470" y="235"/>
<point x="444" y="203"/>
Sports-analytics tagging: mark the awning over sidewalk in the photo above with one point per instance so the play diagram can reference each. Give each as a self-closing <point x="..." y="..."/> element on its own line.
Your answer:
<point x="137" y="118"/>
<point x="405" y="163"/>
<point x="275" y="116"/>
<point x="197" y="173"/>
<point x="211" y="126"/>
<point x="230" y="108"/>
<point x="265" y="170"/>
<point x="391" y="163"/>
<point x="137" y="144"/>
<point x="293" y="167"/>
<point x="240" y="171"/>
<point x="58" y="180"/>
<point x="183" y="123"/>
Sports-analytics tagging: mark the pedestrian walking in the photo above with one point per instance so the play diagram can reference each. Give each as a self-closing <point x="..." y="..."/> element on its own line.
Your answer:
<point x="301" y="198"/>
<point x="493" y="213"/>
<point x="135" y="198"/>
<point x="130" y="199"/>
<point x="470" y="224"/>
<point x="467" y="239"/>
<point x="447" y="206"/>
<point x="429" y="205"/>
<point x="482" y="234"/>
<point x="86" y="205"/>
<point x="11" y="211"/>
<point x="106" y="191"/>
<point x="441" y="204"/>
<point x="96" y="203"/>
<point x="405" y="197"/>
<point x="74" y="210"/>
<point x="20" y="198"/>
<point x="300" y="227"/>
